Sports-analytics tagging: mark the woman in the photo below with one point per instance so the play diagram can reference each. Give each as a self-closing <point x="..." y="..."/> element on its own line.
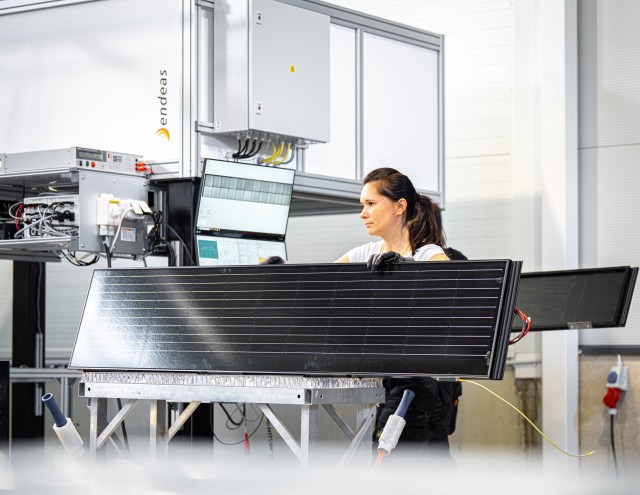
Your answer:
<point x="406" y="223"/>
<point x="393" y="210"/>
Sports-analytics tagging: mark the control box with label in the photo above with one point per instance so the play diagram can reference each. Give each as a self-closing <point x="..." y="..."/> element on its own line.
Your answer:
<point x="74" y="158"/>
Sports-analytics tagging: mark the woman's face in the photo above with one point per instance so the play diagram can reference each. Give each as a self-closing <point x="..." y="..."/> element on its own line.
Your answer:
<point x="382" y="216"/>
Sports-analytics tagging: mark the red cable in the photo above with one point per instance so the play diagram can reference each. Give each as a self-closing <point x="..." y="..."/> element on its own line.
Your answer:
<point x="247" y="447"/>
<point x="526" y="325"/>
<point x="18" y="216"/>
<point x="381" y="455"/>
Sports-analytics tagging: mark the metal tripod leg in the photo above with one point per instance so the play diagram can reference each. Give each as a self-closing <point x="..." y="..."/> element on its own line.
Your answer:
<point x="158" y="428"/>
<point x="308" y="431"/>
<point x="97" y="423"/>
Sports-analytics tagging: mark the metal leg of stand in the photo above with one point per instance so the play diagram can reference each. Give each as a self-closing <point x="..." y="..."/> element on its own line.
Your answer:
<point x="337" y="419"/>
<point x="66" y="393"/>
<point x="308" y="432"/>
<point x="158" y="428"/>
<point x="281" y="429"/>
<point x="360" y="444"/>
<point x="114" y="424"/>
<point x="366" y="417"/>
<point x="97" y="423"/>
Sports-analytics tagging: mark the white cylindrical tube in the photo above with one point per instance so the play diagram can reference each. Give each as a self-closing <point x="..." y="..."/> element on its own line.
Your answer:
<point x="70" y="438"/>
<point x="391" y="433"/>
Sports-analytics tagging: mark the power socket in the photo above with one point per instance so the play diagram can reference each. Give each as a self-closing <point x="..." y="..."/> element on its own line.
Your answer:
<point x="618" y="376"/>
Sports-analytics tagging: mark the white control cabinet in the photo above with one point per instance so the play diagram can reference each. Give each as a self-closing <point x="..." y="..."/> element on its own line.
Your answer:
<point x="271" y="70"/>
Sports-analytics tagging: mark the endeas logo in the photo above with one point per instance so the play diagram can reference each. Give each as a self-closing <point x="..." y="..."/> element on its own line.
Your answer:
<point x="163" y="131"/>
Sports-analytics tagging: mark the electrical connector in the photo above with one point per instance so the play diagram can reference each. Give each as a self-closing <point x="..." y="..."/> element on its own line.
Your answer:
<point x="618" y="376"/>
<point x="394" y="426"/>
<point x="64" y="428"/>
<point x="617" y="383"/>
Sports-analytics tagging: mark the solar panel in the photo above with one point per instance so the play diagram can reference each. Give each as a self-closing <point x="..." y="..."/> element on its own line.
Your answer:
<point x="418" y="319"/>
<point x="587" y="298"/>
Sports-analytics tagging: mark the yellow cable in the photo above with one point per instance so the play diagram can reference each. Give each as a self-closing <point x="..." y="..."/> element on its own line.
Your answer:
<point x="275" y="155"/>
<point x="280" y="149"/>
<point x="282" y="160"/>
<point x="530" y="422"/>
<point x="270" y="157"/>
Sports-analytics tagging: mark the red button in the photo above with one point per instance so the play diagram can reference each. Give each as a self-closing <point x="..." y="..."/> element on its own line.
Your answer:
<point x="93" y="164"/>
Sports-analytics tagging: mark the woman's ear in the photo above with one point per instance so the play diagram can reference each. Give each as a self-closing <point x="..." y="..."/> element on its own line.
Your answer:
<point x="401" y="206"/>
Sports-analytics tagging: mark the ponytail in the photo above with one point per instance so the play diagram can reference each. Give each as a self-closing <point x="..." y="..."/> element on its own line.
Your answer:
<point x="423" y="225"/>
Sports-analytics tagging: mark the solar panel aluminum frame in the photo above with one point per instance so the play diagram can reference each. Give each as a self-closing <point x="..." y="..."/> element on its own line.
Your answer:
<point x="620" y="312"/>
<point x="442" y="319"/>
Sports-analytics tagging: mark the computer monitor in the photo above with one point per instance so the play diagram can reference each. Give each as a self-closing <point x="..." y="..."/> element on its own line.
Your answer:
<point x="244" y="201"/>
<point x="216" y="250"/>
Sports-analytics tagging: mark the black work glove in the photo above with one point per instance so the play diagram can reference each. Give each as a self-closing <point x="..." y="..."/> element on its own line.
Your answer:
<point x="273" y="260"/>
<point x="378" y="262"/>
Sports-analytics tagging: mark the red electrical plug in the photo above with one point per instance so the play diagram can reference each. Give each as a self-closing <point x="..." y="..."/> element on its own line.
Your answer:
<point x="616" y="384"/>
<point x="611" y="399"/>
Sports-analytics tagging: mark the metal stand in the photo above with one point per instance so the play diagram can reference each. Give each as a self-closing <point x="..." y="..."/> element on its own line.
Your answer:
<point x="263" y="391"/>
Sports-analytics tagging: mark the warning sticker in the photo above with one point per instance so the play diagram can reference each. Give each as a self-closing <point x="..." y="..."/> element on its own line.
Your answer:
<point x="128" y="234"/>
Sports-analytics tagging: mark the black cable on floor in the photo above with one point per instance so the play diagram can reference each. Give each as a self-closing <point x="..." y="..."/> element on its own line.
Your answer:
<point x="613" y="443"/>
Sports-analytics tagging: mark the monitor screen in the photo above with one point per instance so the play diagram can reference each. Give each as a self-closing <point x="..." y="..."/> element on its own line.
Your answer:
<point x="244" y="201"/>
<point x="214" y="250"/>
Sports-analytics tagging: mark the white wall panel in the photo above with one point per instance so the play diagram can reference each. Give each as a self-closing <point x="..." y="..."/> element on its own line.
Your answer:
<point x="610" y="147"/>
<point x="609" y="72"/>
<point x="609" y="229"/>
<point x="477" y="114"/>
<point x="91" y="75"/>
<point x="400" y="88"/>
<point x="338" y="156"/>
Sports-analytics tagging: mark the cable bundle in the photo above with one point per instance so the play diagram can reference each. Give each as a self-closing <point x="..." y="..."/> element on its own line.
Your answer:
<point x="280" y="154"/>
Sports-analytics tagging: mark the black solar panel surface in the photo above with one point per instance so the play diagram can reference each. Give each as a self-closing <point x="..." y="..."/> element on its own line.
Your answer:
<point x="599" y="296"/>
<point x="434" y="319"/>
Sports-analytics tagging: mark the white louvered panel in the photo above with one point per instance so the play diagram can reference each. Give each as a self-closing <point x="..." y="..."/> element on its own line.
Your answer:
<point x="478" y="56"/>
<point x="479" y="138"/>
<point x="610" y="72"/>
<point x="478" y="216"/>
<point x="480" y="75"/>
<point x="459" y="111"/>
<point x="487" y="39"/>
<point x="6" y="309"/>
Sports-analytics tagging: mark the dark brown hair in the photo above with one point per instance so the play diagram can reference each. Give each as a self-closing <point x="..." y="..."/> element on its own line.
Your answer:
<point x="419" y="217"/>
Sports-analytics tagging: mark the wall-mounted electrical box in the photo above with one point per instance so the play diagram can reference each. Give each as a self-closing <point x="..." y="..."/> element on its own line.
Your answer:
<point x="271" y="70"/>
